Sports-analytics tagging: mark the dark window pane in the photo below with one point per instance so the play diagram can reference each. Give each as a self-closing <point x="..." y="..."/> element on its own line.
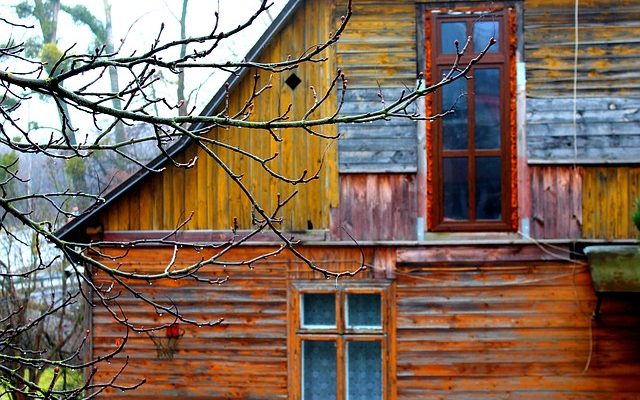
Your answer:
<point x="488" y="204"/>
<point x="483" y="31"/>
<point x="456" y="190"/>
<point x="318" y="370"/>
<point x="450" y="32"/>
<point x="364" y="370"/>
<point x="363" y="311"/>
<point x="318" y="310"/>
<point x="454" y="126"/>
<point x="486" y="83"/>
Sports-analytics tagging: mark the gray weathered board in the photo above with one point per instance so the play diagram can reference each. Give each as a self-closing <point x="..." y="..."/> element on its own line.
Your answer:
<point x="607" y="130"/>
<point x="380" y="146"/>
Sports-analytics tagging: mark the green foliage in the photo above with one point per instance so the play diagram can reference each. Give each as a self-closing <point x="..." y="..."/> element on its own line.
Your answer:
<point x="8" y="161"/>
<point x="49" y="55"/>
<point x="74" y="379"/>
<point x="635" y="217"/>
<point x="75" y="169"/>
<point x="24" y="9"/>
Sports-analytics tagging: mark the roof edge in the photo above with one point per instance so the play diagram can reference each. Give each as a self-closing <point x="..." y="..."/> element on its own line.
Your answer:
<point x="71" y="228"/>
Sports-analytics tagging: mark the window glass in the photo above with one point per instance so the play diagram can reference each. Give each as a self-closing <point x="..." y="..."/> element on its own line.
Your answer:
<point x="318" y="310"/>
<point x="364" y="370"/>
<point x="483" y="31"/>
<point x="488" y="188"/>
<point x="454" y="126"/>
<point x="363" y="311"/>
<point x="319" y="379"/>
<point x="456" y="190"/>
<point x="486" y="84"/>
<point x="450" y="32"/>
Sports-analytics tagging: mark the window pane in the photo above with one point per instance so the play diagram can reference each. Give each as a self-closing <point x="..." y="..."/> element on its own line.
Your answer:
<point x="450" y="32"/>
<point x="318" y="310"/>
<point x="363" y="311"/>
<point x="364" y="370"/>
<point x="488" y="204"/>
<point x="318" y="370"/>
<point x="456" y="189"/>
<point x="454" y="126"/>
<point x="483" y="31"/>
<point x="486" y="83"/>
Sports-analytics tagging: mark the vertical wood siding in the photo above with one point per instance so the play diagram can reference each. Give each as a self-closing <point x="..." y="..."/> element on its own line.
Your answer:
<point x="164" y="200"/>
<point x="378" y="55"/>
<point x="519" y="331"/>
<point x="608" y="199"/>
<point x="375" y="207"/>
<point x="556" y="202"/>
<point x="245" y="357"/>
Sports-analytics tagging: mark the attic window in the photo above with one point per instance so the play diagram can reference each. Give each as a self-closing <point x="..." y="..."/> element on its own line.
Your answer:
<point x="293" y="81"/>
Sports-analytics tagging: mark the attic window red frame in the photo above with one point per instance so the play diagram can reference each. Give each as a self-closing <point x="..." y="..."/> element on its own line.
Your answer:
<point x="459" y="197"/>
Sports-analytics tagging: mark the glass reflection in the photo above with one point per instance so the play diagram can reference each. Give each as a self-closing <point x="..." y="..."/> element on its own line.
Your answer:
<point x="450" y="32"/>
<point x="488" y="203"/>
<point x="483" y="31"/>
<point x="454" y="126"/>
<point x="486" y="84"/>
<point x="456" y="190"/>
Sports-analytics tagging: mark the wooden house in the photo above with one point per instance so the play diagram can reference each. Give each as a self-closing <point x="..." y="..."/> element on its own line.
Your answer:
<point x="472" y="226"/>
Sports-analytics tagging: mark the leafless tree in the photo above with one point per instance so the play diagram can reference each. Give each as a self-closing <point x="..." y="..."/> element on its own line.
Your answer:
<point x="74" y="82"/>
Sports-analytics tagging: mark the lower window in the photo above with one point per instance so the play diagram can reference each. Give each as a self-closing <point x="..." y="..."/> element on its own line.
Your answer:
<point x="340" y="341"/>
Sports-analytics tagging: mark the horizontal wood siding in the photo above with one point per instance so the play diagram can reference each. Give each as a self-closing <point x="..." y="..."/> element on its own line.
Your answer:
<point x="608" y="59"/>
<point x="519" y="331"/>
<point x="164" y="200"/>
<point x="380" y="146"/>
<point x="556" y="202"/>
<point x="608" y="200"/>
<point x="245" y="357"/>
<point x="378" y="55"/>
<point x="607" y="129"/>
<point x="375" y="207"/>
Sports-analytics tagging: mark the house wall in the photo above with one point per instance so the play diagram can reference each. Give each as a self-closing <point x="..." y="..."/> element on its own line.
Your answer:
<point x="164" y="200"/>
<point x="371" y="187"/>
<point x="243" y="357"/>
<point x="520" y="330"/>
<point x="378" y="55"/>
<point x="468" y="325"/>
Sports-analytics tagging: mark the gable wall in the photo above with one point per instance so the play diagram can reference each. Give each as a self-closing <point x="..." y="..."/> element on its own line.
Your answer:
<point x="166" y="199"/>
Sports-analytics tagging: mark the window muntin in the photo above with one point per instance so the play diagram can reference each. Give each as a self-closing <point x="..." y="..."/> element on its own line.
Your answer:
<point x="357" y="344"/>
<point x="471" y="148"/>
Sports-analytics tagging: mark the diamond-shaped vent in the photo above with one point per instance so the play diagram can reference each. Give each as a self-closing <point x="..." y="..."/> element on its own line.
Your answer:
<point x="293" y="81"/>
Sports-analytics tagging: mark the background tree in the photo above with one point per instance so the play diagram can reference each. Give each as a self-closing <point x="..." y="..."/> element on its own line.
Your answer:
<point x="74" y="81"/>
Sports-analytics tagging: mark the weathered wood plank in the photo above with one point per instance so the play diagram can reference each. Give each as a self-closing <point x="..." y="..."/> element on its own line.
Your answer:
<point x="375" y="207"/>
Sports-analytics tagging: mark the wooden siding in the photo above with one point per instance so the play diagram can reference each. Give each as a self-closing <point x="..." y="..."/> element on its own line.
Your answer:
<point x="164" y="200"/>
<point x="245" y="357"/>
<point x="378" y="49"/>
<point x="556" y="202"/>
<point x="380" y="146"/>
<point x="608" y="199"/>
<point x="378" y="55"/>
<point x="607" y="129"/>
<point x="608" y="54"/>
<point x="519" y="331"/>
<point x="375" y="207"/>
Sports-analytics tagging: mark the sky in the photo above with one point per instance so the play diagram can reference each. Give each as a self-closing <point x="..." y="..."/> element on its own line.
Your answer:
<point x="138" y="22"/>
